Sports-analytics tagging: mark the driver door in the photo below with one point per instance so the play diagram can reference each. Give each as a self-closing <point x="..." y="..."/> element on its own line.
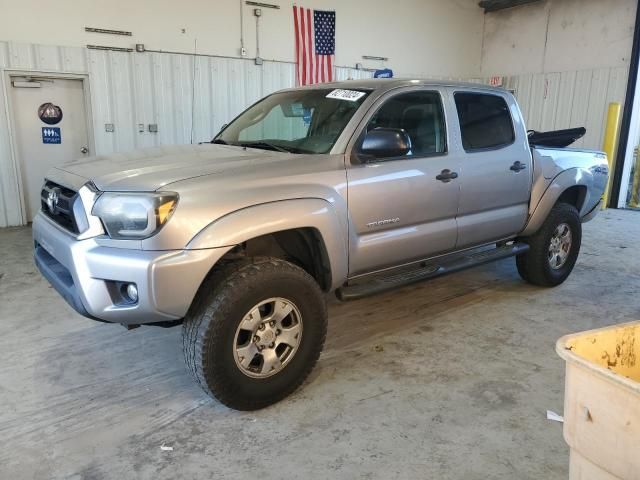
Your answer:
<point x="400" y="212"/>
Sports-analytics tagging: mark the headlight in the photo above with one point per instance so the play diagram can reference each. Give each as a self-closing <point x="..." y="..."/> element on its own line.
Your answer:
<point x="134" y="215"/>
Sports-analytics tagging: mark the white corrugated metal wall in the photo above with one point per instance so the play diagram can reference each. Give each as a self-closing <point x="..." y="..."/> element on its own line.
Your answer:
<point x="552" y="101"/>
<point x="128" y="89"/>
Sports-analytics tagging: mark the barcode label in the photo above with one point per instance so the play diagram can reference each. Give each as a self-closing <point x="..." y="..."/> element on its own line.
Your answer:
<point x="349" y="95"/>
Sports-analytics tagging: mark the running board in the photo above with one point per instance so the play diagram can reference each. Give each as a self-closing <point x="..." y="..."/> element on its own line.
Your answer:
<point x="382" y="284"/>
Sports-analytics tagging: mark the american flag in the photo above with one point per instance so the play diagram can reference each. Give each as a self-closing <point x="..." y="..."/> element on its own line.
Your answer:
<point x="315" y="44"/>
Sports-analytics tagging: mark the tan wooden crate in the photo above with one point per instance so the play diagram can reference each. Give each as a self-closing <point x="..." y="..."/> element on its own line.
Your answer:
<point x="602" y="402"/>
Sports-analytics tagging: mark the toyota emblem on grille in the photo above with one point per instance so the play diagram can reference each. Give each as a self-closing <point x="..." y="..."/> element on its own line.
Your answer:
<point x="52" y="200"/>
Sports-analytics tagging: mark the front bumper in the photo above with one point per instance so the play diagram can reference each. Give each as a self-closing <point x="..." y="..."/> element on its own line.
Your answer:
<point x="84" y="272"/>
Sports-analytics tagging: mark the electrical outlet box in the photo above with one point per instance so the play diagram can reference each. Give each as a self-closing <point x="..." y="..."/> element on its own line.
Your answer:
<point x="258" y="61"/>
<point x="257" y="12"/>
<point x="141" y="128"/>
<point x="153" y="128"/>
<point x="243" y="52"/>
<point x="109" y="127"/>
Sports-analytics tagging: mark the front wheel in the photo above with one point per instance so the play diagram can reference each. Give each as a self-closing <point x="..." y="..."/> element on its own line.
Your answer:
<point x="553" y="250"/>
<point x="255" y="332"/>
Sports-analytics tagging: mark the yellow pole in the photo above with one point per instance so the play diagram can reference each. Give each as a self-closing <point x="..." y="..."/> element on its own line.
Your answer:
<point x="635" y="190"/>
<point x="610" y="146"/>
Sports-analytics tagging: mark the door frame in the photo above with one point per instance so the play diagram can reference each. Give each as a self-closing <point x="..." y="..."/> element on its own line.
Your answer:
<point x="7" y="75"/>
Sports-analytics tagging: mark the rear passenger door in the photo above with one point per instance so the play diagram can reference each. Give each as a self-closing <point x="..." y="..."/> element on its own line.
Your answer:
<point x="495" y="166"/>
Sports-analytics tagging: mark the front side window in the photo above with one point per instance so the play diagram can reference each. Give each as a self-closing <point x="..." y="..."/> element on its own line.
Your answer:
<point x="485" y="121"/>
<point x="420" y="115"/>
<point x="298" y="121"/>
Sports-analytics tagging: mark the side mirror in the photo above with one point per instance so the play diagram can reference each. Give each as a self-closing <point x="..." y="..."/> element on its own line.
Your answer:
<point x="386" y="142"/>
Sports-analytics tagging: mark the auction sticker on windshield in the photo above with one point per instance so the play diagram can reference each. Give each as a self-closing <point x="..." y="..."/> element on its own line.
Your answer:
<point x="350" y="95"/>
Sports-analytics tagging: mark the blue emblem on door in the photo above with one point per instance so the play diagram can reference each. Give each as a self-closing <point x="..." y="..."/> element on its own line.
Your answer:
<point x="51" y="135"/>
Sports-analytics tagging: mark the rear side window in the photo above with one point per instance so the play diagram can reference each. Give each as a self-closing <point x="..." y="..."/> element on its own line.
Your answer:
<point x="485" y="121"/>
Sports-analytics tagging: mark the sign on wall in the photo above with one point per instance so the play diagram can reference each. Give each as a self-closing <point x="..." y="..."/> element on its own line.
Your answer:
<point x="51" y="135"/>
<point x="383" y="73"/>
<point x="50" y="113"/>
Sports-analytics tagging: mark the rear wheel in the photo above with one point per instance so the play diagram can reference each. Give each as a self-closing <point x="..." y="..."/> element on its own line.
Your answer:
<point x="553" y="248"/>
<point x="255" y="332"/>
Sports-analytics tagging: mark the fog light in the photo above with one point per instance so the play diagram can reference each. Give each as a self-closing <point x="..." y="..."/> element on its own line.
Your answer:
<point x="132" y="292"/>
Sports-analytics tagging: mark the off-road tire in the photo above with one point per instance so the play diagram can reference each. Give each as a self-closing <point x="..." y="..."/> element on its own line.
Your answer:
<point x="534" y="266"/>
<point x="209" y="329"/>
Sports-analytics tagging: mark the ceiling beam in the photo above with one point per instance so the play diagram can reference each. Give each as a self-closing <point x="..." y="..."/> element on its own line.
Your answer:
<point x="495" y="5"/>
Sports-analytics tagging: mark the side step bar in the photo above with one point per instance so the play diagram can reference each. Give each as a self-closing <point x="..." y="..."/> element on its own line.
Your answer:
<point x="382" y="284"/>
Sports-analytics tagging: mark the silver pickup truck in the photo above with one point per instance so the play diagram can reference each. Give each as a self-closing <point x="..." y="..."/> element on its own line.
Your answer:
<point x="354" y="187"/>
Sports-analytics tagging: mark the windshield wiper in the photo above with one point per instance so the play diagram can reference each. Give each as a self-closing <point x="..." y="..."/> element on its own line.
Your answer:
<point x="267" y="145"/>
<point x="219" y="141"/>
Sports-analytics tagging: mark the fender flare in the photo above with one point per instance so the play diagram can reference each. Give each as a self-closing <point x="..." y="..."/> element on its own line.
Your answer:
<point x="569" y="178"/>
<point x="242" y="225"/>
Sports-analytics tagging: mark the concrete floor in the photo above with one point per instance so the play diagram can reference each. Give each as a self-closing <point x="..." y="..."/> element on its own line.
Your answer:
<point x="449" y="379"/>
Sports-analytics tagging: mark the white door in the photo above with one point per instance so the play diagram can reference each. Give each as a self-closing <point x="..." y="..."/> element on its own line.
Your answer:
<point x="50" y="129"/>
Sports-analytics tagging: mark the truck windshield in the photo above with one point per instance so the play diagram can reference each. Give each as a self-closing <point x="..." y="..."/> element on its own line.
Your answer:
<point x="298" y="121"/>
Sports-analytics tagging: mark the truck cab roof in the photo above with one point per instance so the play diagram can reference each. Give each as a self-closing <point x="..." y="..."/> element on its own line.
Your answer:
<point x="391" y="83"/>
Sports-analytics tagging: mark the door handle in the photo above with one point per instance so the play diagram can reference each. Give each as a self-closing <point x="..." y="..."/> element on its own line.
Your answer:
<point x="446" y="175"/>
<point x="517" y="166"/>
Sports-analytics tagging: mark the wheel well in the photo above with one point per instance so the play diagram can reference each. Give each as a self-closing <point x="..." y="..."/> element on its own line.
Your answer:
<point x="574" y="196"/>
<point x="301" y="246"/>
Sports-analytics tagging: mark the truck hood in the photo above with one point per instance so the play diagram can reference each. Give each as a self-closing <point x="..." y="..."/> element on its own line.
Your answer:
<point x="153" y="168"/>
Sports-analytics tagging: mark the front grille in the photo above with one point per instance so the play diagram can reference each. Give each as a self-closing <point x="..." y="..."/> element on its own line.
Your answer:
<point x="62" y="211"/>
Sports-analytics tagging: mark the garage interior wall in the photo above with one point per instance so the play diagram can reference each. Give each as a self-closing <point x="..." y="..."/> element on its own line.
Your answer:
<point x="426" y="36"/>
<point x="558" y="36"/>
<point x="553" y="101"/>
<point x="566" y="60"/>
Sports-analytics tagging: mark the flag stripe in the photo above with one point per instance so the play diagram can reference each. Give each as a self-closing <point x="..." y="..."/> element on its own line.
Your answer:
<point x="312" y="51"/>
<point x="318" y="60"/>
<point x="304" y="47"/>
<point x="296" y="27"/>
<point x="325" y="74"/>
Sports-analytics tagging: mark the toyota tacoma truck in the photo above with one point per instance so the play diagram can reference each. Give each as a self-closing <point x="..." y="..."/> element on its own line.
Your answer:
<point x="354" y="187"/>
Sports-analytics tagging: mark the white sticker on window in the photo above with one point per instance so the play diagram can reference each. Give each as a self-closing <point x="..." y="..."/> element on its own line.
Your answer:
<point x="349" y="95"/>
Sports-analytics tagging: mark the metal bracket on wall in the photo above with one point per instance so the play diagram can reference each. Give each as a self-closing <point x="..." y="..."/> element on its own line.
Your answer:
<point x="107" y="31"/>
<point x="263" y="5"/>
<point x="111" y="49"/>
<point x="371" y="57"/>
